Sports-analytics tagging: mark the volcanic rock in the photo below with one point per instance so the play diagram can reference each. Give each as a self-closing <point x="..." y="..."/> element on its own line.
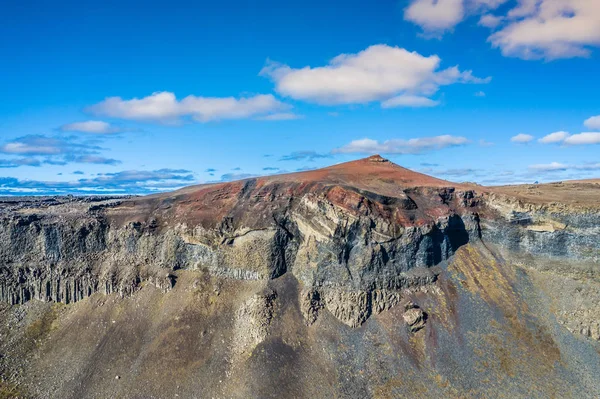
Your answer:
<point x="302" y="285"/>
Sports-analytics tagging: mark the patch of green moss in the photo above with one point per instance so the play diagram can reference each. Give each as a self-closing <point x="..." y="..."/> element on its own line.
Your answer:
<point x="38" y="329"/>
<point x="9" y="391"/>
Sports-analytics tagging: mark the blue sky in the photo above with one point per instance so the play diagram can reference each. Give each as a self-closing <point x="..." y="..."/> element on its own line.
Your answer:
<point x="137" y="97"/>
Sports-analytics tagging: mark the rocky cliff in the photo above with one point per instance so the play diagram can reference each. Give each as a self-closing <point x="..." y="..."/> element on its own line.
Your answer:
<point x="278" y="278"/>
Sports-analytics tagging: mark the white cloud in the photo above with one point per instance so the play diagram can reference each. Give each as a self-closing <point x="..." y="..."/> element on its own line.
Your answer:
<point x="55" y="150"/>
<point x="480" y="94"/>
<point x="550" y="29"/>
<point x="531" y="29"/>
<point x="556" y="137"/>
<point x="583" y="139"/>
<point x="490" y="21"/>
<point x="406" y="100"/>
<point x="593" y="122"/>
<point x="377" y="73"/>
<point x="39" y="146"/>
<point x="435" y="15"/>
<point x="96" y="127"/>
<point x="164" y="107"/>
<point x="550" y="167"/>
<point x="522" y="138"/>
<point x="401" y="146"/>
<point x="282" y="116"/>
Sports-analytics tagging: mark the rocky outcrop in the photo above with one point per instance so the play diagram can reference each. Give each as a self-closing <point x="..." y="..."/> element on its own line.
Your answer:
<point x="556" y="233"/>
<point x="67" y="257"/>
<point x="252" y="321"/>
<point x="414" y="317"/>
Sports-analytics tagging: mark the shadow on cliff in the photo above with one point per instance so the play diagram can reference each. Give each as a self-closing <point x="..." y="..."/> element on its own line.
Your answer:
<point x="440" y="244"/>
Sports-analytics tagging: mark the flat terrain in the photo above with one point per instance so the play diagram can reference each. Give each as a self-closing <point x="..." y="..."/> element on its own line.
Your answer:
<point x="579" y="193"/>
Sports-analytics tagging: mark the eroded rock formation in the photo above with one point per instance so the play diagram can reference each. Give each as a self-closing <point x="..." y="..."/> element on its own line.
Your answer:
<point x="350" y="246"/>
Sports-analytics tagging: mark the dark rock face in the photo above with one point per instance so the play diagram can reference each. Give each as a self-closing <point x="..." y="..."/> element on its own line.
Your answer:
<point x="563" y="235"/>
<point x="65" y="258"/>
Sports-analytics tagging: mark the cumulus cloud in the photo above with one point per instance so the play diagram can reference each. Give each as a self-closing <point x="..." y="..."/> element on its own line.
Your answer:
<point x="550" y="29"/>
<point x="556" y="137"/>
<point x="438" y="16"/>
<point x="435" y="15"/>
<point x="95" y="127"/>
<point x="165" y="107"/>
<point x="391" y="75"/>
<point x="401" y="146"/>
<point x="530" y="29"/>
<point x="583" y="139"/>
<point x="522" y="138"/>
<point x="593" y="122"/>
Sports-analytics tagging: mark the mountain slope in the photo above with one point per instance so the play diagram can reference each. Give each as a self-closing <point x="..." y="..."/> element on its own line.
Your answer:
<point x="363" y="279"/>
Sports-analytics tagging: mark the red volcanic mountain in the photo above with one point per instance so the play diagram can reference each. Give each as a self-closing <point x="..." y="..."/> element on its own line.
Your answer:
<point x="364" y="186"/>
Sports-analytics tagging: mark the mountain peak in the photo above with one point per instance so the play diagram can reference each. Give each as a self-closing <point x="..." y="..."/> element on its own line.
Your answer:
<point x="376" y="158"/>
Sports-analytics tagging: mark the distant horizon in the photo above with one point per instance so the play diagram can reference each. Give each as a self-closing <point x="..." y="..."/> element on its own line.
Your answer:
<point x="91" y="194"/>
<point x="114" y="98"/>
